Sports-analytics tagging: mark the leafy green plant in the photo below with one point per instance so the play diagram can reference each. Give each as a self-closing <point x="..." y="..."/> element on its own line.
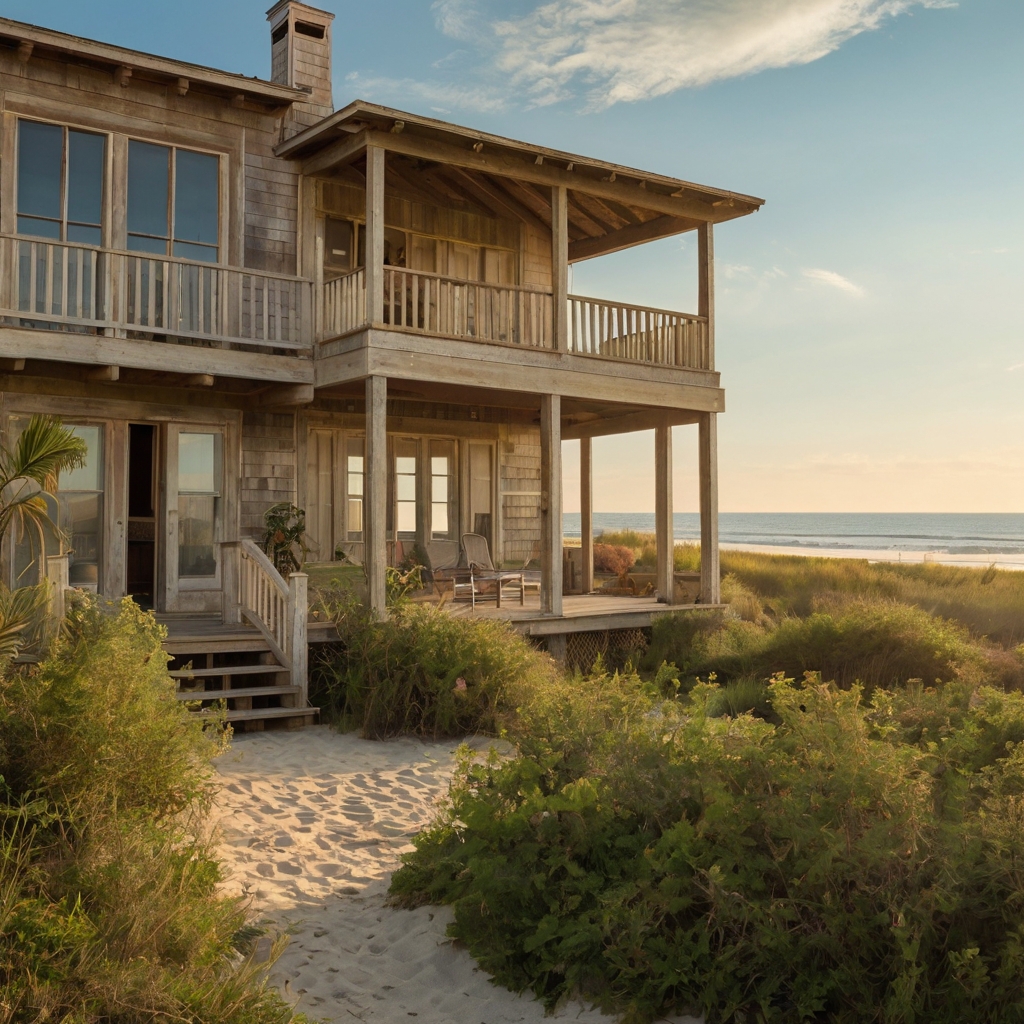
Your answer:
<point x="284" y="537"/>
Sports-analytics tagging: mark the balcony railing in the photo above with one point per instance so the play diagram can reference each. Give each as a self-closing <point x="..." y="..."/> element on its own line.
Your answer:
<point x="447" y="307"/>
<point x="63" y="286"/>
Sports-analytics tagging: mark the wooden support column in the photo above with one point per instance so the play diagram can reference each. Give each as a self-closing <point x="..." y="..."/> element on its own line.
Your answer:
<point x="706" y="284"/>
<point x="664" y="528"/>
<point x="374" y="234"/>
<point x="551" y="504"/>
<point x="560" y="267"/>
<point x="587" y="512"/>
<point x="298" y="640"/>
<point x="375" y="549"/>
<point x="710" y="576"/>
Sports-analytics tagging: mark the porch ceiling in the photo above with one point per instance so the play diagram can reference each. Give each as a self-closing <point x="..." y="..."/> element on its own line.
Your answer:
<point x="611" y="206"/>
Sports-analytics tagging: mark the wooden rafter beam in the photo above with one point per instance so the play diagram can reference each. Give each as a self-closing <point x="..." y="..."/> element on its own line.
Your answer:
<point x="416" y="184"/>
<point x="635" y="234"/>
<point x="500" y="198"/>
<point x="646" y="419"/>
<point x="344" y="151"/>
<point x="590" y="224"/>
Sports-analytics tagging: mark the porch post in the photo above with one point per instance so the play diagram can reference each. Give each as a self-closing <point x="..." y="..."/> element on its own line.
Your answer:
<point x="375" y="554"/>
<point x="710" y="583"/>
<point x="706" y="285"/>
<point x="551" y="504"/>
<point x="298" y="625"/>
<point x="587" y="513"/>
<point x="374" y="234"/>
<point x="663" y="524"/>
<point x="560" y="267"/>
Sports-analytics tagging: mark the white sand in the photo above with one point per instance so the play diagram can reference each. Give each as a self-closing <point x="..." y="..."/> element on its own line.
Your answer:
<point x="313" y="824"/>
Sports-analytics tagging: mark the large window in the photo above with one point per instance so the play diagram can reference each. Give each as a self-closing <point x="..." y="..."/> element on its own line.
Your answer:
<point x="173" y="201"/>
<point x="442" y="490"/>
<point x="60" y="183"/>
<point x="354" y="485"/>
<point x="199" y="473"/>
<point x="405" y="488"/>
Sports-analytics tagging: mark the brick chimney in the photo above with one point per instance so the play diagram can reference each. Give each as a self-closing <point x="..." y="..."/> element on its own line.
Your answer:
<point x="300" y="56"/>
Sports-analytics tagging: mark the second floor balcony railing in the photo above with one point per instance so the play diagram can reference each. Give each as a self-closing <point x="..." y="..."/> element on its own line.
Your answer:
<point x="433" y="304"/>
<point x="84" y="289"/>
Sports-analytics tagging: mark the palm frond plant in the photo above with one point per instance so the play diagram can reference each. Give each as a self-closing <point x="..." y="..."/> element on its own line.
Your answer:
<point x="29" y="472"/>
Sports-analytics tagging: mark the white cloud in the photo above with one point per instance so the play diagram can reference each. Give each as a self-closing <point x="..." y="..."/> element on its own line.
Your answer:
<point x="834" y="280"/>
<point x="626" y="50"/>
<point x="441" y="97"/>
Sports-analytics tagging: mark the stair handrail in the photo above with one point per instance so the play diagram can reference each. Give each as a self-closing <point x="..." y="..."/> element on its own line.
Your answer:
<point x="263" y="598"/>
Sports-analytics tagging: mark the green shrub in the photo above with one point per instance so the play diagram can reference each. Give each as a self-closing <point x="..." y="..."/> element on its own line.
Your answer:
<point x="421" y="671"/>
<point x="109" y="909"/>
<point x="849" y="862"/>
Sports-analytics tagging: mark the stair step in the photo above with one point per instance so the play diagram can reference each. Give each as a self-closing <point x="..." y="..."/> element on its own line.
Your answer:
<point x="257" y="713"/>
<point x="226" y="670"/>
<point x="248" y="691"/>
<point x="219" y="646"/>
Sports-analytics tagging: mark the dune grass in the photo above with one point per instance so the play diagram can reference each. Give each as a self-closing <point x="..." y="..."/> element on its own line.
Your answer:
<point x="109" y="908"/>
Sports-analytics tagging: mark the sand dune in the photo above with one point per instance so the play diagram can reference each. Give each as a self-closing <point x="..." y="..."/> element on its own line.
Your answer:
<point x="313" y="824"/>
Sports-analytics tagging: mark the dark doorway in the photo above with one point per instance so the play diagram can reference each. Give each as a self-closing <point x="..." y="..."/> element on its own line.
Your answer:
<point x="142" y="513"/>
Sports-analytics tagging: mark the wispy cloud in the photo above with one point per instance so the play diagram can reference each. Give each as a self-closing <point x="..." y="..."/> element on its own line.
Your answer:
<point x="615" y="51"/>
<point x="834" y="280"/>
<point x="440" y="97"/>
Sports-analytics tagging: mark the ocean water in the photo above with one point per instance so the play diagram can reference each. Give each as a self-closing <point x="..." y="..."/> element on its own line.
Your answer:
<point x="980" y="534"/>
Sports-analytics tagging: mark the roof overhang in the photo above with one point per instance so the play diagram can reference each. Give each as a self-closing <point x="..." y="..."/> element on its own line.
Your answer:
<point x="612" y="206"/>
<point x="32" y="40"/>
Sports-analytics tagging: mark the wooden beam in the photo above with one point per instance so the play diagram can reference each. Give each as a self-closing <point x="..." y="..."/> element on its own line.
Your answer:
<point x="199" y="380"/>
<point x="505" y="166"/>
<point x="375" y="499"/>
<point x="498" y="197"/>
<point x="551" y="505"/>
<point x="375" y="157"/>
<point x="706" y="284"/>
<point x="660" y="227"/>
<point x="590" y="225"/>
<point x="663" y="523"/>
<point x="419" y="188"/>
<point x="105" y="373"/>
<point x="287" y="395"/>
<point x="628" y="423"/>
<point x="707" y="445"/>
<point x="587" y="513"/>
<point x="341" y="152"/>
<point x="560" y="267"/>
<point x="12" y="365"/>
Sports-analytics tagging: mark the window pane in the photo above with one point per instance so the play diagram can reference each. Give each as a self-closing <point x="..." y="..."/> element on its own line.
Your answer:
<point x="148" y="182"/>
<point x="406" y="519"/>
<point x="197" y="469"/>
<point x="39" y="228"/>
<point x="195" y="535"/>
<point x="354" y="483"/>
<point x="80" y="515"/>
<point x="338" y="243"/>
<point x="442" y="514"/>
<point x="195" y="197"/>
<point x="85" y="178"/>
<point x="406" y="484"/>
<point x="439" y="518"/>
<point x="83" y="233"/>
<point x="90" y="476"/>
<point x="40" y="152"/>
<point x="139" y="243"/>
<point x="439" y="487"/>
<point x="191" y="251"/>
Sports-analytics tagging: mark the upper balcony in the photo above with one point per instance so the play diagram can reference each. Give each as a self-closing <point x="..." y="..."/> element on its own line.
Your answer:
<point x="106" y="306"/>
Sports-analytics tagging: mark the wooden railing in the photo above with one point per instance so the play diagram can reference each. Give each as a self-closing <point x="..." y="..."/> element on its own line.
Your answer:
<point x="344" y="304"/>
<point x="636" y="333"/>
<point x="263" y="598"/>
<point x="59" y="285"/>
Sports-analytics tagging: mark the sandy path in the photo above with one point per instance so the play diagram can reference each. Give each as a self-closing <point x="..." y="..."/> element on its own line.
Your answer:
<point x="313" y="824"/>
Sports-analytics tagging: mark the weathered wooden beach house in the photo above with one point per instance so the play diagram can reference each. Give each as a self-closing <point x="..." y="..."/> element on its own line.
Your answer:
<point x="242" y="296"/>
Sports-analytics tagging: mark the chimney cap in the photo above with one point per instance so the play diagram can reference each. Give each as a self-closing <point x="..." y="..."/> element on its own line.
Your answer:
<point x="283" y="8"/>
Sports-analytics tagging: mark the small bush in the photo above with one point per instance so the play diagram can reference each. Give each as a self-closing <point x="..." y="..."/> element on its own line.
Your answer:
<point x="109" y="908"/>
<point x="851" y="862"/>
<point x="421" y="671"/>
<point x="616" y="559"/>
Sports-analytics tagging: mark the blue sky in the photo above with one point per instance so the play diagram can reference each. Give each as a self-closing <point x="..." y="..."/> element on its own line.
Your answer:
<point x="870" y="316"/>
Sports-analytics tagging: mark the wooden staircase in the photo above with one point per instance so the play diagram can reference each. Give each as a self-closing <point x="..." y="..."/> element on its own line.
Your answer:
<point x="213" y="660"/>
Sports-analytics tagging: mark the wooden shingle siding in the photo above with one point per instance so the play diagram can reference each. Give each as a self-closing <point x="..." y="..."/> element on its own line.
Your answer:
<point x="271" y="210"/>
<point x="268" y="466"/>
<point x="536" y="257"/>
<point x="519" y="469"/>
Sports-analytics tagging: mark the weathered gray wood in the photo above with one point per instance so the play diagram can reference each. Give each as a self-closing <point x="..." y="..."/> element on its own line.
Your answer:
<point x="663" y="523"/>
<point x="710" y="576"/>
<point x="375" y="486"/>
<point x="374" y="234"/>
<point x="706" y="284"/>
<point x="551" y="504"/>
<point x="587" y="513"/>
<point x="560" y="267"/>
<point x="614" y="241"/>
<point x="627" y="423"/>
<point x="298" y="648"/>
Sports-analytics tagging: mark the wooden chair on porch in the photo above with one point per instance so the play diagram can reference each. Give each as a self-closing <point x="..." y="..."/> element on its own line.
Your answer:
<point x="479" y="580"/>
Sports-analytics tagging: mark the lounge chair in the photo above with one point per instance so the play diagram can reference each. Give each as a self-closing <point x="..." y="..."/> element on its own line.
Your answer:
<point x="480" y="569"/>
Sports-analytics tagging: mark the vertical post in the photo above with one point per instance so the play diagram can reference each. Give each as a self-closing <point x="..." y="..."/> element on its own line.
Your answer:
<point x="298" y="624"/>
<point x="560" y="267"/>
<point x="57" y="568"/>
<point x="230" y="562"/>
<point x="706" y="284"/>
<point x="551" y="505"/>
<point x="374" y="234"/>
<point x="663" y="524"/>
<point x="587" y="512"/>
<point x="375" y="553"/>
<point x="710" y="582"/>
